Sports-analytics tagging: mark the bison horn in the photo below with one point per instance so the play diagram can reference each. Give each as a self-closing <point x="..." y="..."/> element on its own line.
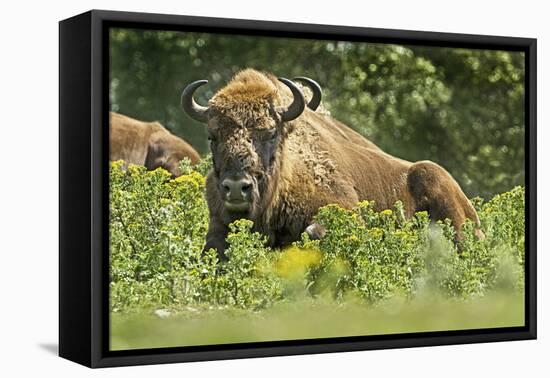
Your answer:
<point x="316" y="90"/>
<point x="298" y="105"/>
<point x="194" y="110"/>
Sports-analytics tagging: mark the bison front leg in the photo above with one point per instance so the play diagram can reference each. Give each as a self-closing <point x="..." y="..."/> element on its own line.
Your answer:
<point x="315" y="231"/>
<point x="215" y="238"/>
<point x="434" y="190"/>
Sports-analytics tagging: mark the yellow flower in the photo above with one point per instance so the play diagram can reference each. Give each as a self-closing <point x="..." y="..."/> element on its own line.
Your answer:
<point x="376" y="232"/>
<point x="193" y="178"/>
<point x="117" y="164"/>
<point x="401" y="234"/>
<point x="136" y="170"/>
<point x="352" y="238"/>
<point x="364" y="204"/>
<point x="294" y="262"/>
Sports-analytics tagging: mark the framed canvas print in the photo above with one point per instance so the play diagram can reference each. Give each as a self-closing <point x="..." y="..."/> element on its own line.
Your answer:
<point x="233" y="188"/>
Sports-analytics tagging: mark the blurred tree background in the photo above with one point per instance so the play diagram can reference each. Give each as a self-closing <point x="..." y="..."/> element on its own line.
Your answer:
<point x="461" y="108"/>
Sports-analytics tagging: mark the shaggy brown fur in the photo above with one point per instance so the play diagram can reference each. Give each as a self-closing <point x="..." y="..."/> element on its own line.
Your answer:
<point x="312" y="161"/>
<point x="347" y="133"/>
<point x="148" y="144"/>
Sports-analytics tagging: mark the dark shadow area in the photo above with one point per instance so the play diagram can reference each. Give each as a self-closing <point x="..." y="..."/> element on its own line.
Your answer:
<point x="52" y="348"/>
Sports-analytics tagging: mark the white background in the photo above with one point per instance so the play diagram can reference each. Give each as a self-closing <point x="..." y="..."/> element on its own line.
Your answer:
<point x="29" y="188"/>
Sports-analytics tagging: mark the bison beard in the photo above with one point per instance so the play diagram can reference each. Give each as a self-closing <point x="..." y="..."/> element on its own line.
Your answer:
<point x="277" y="164"/>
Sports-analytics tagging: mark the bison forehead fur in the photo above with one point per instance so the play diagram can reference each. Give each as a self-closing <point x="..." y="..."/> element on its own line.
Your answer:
<point x="317" y="160"/>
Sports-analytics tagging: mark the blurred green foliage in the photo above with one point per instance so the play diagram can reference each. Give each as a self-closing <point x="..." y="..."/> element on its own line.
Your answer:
<point x="306" y="319"/>
<point x="462" y="108"/>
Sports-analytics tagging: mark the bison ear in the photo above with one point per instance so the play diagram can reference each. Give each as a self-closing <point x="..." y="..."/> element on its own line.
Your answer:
<point x="298" y="105"/>
<point x="194" y="110"/>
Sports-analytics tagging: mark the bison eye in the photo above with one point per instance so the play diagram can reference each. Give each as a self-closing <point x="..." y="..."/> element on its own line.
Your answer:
<point x="211" y="137"/>
<point x="268" y="135"/>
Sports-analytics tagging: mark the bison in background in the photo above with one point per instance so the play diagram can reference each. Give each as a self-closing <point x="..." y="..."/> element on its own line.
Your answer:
<point x="147" y="143"/>
<point x="276" y="162"/>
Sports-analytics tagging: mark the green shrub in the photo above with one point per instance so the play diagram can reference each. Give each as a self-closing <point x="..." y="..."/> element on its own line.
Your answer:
<point x="157" y="231"/>
<point x="158" y="226"/>
<point x="368" y="253"/>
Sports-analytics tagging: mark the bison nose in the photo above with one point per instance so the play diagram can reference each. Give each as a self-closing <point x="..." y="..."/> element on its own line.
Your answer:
<point x="237" y="190"/>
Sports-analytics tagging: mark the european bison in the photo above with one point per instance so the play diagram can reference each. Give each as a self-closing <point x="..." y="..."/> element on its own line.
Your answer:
<point x="148" y="144"/>
<point x="276" y="162"/>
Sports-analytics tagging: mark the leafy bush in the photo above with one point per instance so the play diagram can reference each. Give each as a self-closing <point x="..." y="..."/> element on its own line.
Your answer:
<point x="158" y="226"/>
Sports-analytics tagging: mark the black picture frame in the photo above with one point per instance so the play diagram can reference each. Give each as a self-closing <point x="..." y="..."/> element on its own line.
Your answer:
<point x="83" y="182"/>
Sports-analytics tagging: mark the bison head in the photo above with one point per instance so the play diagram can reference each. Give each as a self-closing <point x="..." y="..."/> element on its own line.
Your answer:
<point x="246" y="127"/>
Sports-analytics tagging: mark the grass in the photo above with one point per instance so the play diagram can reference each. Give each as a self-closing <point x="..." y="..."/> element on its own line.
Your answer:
<point x="310" y="319"/>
